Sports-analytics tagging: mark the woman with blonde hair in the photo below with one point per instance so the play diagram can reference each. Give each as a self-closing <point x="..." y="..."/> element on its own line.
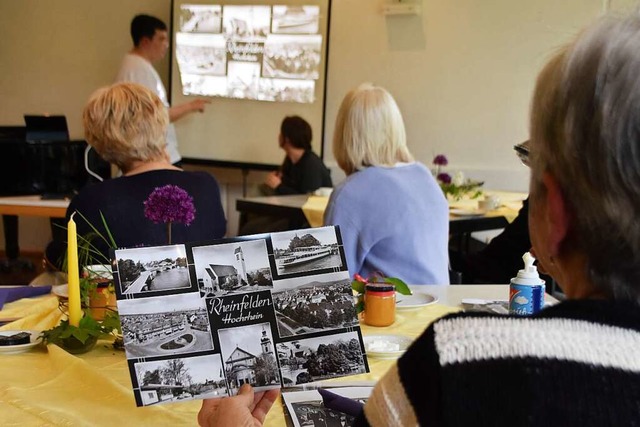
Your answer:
<point x="393" y="217"/>
<point x="126" y="124"/>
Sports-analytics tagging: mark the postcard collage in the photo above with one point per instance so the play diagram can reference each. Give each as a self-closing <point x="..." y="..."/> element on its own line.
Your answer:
<point x="272" y="310"/>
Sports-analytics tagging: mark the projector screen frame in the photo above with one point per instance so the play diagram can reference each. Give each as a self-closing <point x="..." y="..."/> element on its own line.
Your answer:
<point x="318" y="130"/>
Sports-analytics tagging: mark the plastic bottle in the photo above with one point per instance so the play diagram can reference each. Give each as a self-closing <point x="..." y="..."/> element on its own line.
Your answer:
<point x="526" y="291"/>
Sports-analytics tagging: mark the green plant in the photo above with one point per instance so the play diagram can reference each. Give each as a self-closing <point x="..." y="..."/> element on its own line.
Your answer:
<point x="87" y="329"/>
<point x="73" y="338"/>
<point x="359" y="283"/>
<point x="457" y="186"/>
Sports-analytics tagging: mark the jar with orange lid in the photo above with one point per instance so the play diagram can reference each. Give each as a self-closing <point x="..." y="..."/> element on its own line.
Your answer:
<point x="379" y="304"/>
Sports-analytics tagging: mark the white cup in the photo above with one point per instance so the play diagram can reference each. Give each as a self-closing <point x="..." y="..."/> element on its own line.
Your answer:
<point x="489" y="203"/>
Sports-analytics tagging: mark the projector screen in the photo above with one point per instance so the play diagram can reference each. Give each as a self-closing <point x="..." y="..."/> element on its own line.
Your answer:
<point x="256" y="62"/>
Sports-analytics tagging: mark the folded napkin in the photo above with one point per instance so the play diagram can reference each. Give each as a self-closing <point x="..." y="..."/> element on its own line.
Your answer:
<point x="340" y="403"/>
<point x="19" y="292"/>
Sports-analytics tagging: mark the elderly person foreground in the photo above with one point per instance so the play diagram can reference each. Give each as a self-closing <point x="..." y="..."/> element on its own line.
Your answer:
<point x="126" y="124"/>
<point x="576" y="363"/>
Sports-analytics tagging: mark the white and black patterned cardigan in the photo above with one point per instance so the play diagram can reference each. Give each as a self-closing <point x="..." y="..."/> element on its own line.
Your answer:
<point x="574" y="364"/>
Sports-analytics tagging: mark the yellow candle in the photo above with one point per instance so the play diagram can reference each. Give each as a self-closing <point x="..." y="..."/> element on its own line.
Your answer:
<point x="75" y="312"/>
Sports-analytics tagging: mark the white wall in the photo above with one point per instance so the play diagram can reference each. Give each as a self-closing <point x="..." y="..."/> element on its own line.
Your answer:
<point x="462" y="72"/>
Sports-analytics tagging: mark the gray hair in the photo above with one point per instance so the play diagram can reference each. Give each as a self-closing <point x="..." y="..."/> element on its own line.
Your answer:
<point x="369" y="130"/>
<point x="585" y="131"/>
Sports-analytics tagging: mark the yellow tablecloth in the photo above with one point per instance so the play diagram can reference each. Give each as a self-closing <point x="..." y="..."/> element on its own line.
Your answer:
<point x="48" y="386"/>
<point x="313" y="210"/>
<point x="510" y="204"/>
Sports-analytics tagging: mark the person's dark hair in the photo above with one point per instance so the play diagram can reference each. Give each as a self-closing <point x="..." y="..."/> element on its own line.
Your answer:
<point x="297" y="131"/>
<point x="145" y="26"/>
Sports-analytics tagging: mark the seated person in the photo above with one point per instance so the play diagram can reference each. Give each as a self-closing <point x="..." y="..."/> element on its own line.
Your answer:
<point x="302" y="170"/>
<point x="572" y="364"/>
<point x="392" y="214"/>
<point x="126" y="124"/>
<point x="501" y="259"/>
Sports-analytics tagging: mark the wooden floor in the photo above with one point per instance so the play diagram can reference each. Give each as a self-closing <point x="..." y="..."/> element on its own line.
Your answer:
<point x="21" y="271"/>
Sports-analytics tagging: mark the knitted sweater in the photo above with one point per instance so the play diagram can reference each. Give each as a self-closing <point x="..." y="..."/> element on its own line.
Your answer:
<point x="574" y="364"/>
<point x="394" y="220"/>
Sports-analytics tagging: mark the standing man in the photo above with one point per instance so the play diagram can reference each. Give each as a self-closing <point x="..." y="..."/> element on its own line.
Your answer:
<point x="150" y="44"/>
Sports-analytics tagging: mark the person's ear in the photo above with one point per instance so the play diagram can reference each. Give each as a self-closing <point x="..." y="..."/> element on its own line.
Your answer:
<point x="558" y="215"/>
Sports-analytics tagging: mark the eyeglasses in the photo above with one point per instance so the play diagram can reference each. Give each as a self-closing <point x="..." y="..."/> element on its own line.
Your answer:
<point x="522" y="150"/>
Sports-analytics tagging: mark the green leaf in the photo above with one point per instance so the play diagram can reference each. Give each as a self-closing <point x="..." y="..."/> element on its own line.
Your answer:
<point x="401" y="287"/>
<point x="360" y="305"/>
<point x="358" y="286"/>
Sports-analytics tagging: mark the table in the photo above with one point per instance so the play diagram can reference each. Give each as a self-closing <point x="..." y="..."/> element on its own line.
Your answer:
<point x="33" y="206"/>
<point x="48" y="386"/>
<point x="301" y="208"/>
<point x="12" y="207"/>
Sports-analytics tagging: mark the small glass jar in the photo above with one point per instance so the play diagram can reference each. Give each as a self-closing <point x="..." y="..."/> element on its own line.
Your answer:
<point x="379" y="304"/>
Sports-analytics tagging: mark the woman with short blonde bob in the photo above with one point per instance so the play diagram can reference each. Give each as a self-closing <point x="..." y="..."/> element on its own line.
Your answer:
<point x="392" y="215"/>
<point x="126" y="124"/>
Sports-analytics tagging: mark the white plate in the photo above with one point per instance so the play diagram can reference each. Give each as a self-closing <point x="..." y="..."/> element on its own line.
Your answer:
<point x="467" y="212"/>
<point x="417" y="300"/>
<point x="61" y="291"/>
<point x="19" y="348"/>
<point x="378" y="341"/>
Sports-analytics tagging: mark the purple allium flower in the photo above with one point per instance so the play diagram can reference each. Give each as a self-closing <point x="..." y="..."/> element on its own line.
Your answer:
<point x="444" y="178"/>
<point x="440" y="160"/>
<point x="170" y="204"/>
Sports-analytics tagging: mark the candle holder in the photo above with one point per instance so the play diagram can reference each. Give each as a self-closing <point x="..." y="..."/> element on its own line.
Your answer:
<point x="82" y="338"/>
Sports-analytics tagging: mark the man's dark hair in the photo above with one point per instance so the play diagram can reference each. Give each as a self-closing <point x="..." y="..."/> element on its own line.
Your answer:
<point x="145" y="26"/>
<point x="297" y="131"/>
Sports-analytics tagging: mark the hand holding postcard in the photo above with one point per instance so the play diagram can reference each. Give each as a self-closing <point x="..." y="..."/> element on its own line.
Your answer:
<point x="201" y="319"/>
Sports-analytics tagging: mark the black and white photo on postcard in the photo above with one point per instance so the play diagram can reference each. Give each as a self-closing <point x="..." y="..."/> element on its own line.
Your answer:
<point x="147" y="270"/>
<point x="313" y="359"/>
<point x="248" y="355"/>
<point x="180" y="379"/>
<point x="306" y="250"/>
<point x="311" y="304"/>
<point x="236" y="267"/>
<point x="307" y="409"/>
<point x="165" y="325"/>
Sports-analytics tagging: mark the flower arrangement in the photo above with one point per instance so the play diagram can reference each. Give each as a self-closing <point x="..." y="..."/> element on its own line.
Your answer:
<point x="457" y="186"/>
<point x="358" y="285"/>
<point x="169" y="204"/>
<point x="83" y="337"/>
<point x="166" y="204"/>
